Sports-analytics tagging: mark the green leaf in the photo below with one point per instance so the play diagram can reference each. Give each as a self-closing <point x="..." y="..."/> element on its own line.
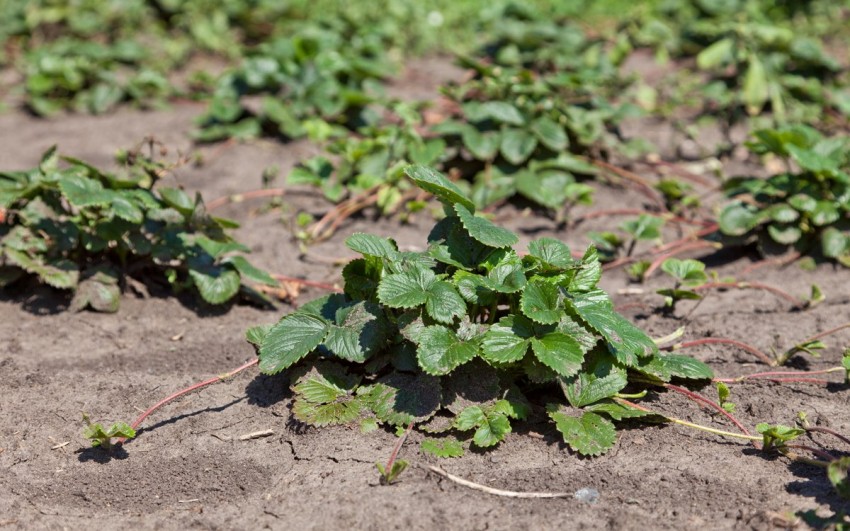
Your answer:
<point x="216" y="285"/>
<point x="320" y="414"/>
<point x="559" y="352"/>
<point x="669" y="366"/>
<point x="587" y="388"/>
<point x="502" y="111"/>
<point x="834" y="243"/>
<point x="178" y="200"/>
<point x="491" y="426"/>
<point x="406" y="290"/>
<point x="470" y="418"/>
<point x="589" y="272"/>
<point x="825" y="213"/>
<point x="755" y="91"/>
<point x="483" y="230"/>
<point x="777" y="435"/>
<point x="838" y="472"/>
<point x="249" y="271"/>
<point x="554" y="253"/>
<point x="442" y="448"/>
<point x="84" y="191"/>
<point x="439" y="350"/>
<point x="784" y="234"/>
<point x="737" y="219"/>
<point x="541" y="302"/>
<point x="61" y="274"/>
<point x="360" y="332"/>
<point x="517" y="145"/>
<point x="645" y="227"/>
<point x="627" y="342"/>
<point x="720" y="53"/>
<point x="444" y="303"/>
<point x="617" y="411"/>
<point x="550" y="133"/>
<point x="482" y="145"/>
<point x="371" y="245"/>
<point x="436" y="183"/>
<point x="492" y="431"/>
<point x="508" y="340"/>
<point x="99" y="295"/>
<point x="689" y="272"/>
<point x="589" y="434"/>
<point x="288" y="341"/>
<point x="257" y="334"/>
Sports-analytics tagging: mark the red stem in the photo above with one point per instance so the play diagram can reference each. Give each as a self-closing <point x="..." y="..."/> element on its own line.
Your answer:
<point x="397" y="448"/>
<point x="829" y="432"/>
<point x="815" y="451"/>
<point x="696" y="235"/>
<point x="724" y="341"/>
<point x="696" y="397"/>
<point x="687" y="246"/>
<point x="178" y="394"/>
<point x="752" y="285"/>
<point x="311" y="283"/>
<point x="827" y="333"/>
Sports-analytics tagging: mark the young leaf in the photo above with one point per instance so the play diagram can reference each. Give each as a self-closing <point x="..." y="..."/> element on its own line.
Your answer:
<point x="484" y="230"/>
<point x="777" y="435"/>
<point x="589" y="434"/>
<point x="541" y="302"/>
<point x="586" y="388"/>
<point x="436" y="183"/>
<point x="442" y="448"/>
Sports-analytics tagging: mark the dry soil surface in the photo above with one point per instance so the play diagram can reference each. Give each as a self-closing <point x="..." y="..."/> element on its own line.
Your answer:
<point x="189" y="467"/>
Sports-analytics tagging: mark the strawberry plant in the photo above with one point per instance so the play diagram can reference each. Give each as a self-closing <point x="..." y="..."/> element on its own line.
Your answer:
<point x="82" y="229"/>
<point x="756" y="53"/>
<point x="806" y="207"/>
<point x="456" y="337"/>
<point x="322" y="75"/>
<point x="91" y="77"/>
<point x="524" y="37"/>
<point x="516" y="132"/>
<point x="375" y="157"/>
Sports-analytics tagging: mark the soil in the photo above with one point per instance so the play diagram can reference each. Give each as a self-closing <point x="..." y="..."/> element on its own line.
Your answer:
<point x="190" y="469"/>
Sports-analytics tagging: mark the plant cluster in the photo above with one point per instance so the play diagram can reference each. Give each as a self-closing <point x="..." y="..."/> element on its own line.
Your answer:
<point x="806" y="207"/>
<point x="82" y="229"/>
<point x="456" y="337"/>
<point x="756" y="53"/>
<point x="323" y="76"/>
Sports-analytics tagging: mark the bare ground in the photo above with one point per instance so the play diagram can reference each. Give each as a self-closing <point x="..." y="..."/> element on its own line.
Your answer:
<point x="189" y="469"/>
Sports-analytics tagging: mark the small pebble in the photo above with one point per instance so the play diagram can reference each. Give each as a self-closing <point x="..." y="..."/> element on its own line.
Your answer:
<point x="587" y="495"/>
